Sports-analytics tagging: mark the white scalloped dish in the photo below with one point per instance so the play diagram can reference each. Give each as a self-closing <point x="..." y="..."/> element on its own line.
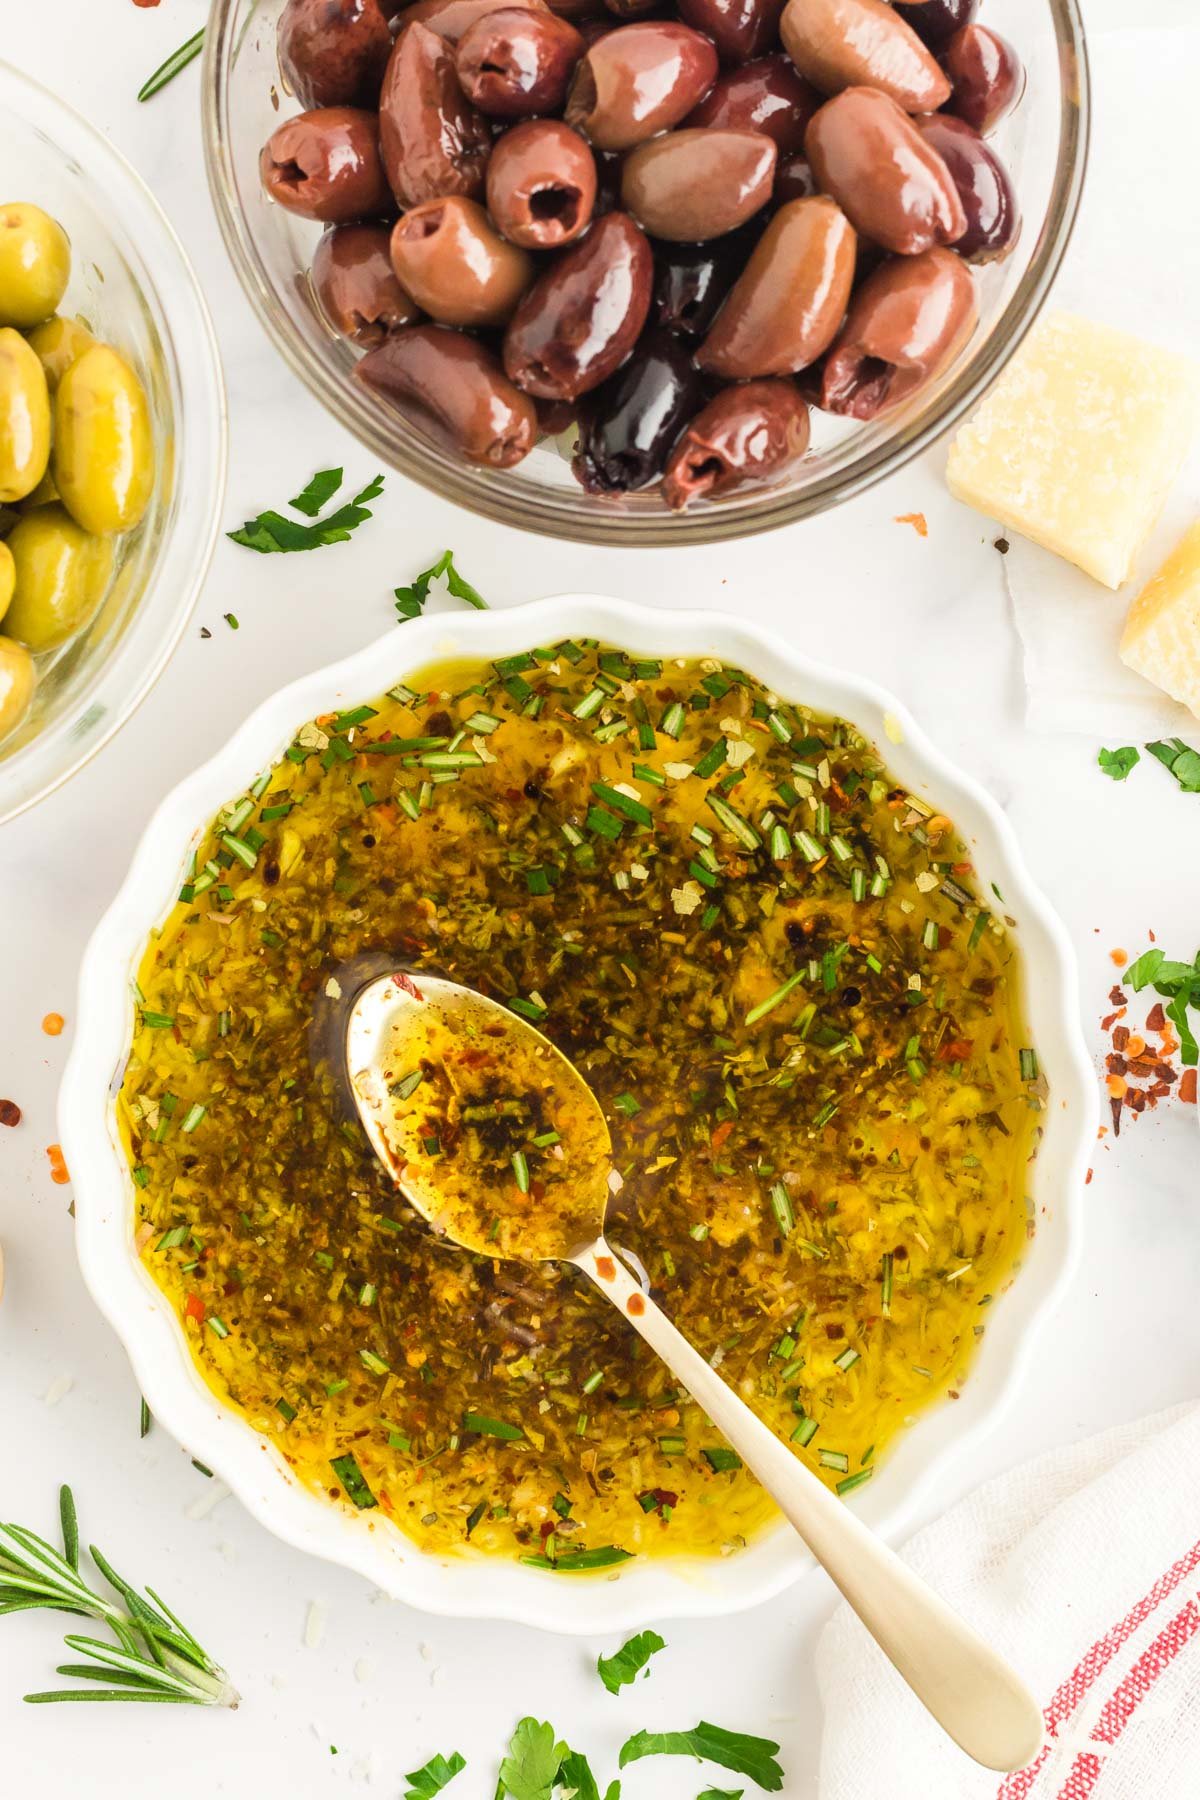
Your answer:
<point x="469" y="1584"/>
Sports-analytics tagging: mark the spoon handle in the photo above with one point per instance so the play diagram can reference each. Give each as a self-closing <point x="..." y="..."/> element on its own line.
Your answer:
<point x="971" y="1692"/>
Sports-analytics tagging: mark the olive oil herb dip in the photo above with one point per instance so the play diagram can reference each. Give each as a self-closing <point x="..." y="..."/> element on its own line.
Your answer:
<point x="774" y="969"/>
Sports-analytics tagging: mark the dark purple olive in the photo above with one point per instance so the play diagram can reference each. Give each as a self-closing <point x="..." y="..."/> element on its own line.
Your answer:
<point x="434" y="142"/>
<point x="326" y="165"/>
<point x="639" y="80"/>
<point x="453" y="389"/>
<point x="580" y="320"/>
<point x="631" y="9"/>
<point x="794" y="180"/>
<point x="768" y="96"/>
<point x="541" y="184"/>
<point x="628" y="426"/>
<point x="936" y="21"/>
<point x="988" y="77"/>
<point x="893" y="186"/>
<point x="905" y="322"/>
<point x="356" y="285"/>
<point x="514" y="63"/>
<point x="691" y="280"/>
<point x="993" y="217"/>
<point x="747" y="433"/>
<point x="334" y="52"/>
<point x="452" y="19"/>
<point x="739" y="28"/>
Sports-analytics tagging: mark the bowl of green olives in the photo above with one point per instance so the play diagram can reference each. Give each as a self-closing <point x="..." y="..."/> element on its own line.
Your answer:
<point x="112" y="441"/>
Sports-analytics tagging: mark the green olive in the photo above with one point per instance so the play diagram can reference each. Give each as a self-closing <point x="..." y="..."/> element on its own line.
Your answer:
<point x="35" y="264"/>
<point x="57" y="344"/>
<point x="62" y="574"/>
<point x="103" y="442"/>
<point x="18" y="678"/>
<point x="24" y="418"/>
<point x="8" y="577"/>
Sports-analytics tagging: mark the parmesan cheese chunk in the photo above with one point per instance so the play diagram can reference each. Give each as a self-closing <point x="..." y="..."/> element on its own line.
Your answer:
<point x="1077" y="444"/>
<point x="1161" y="639"/>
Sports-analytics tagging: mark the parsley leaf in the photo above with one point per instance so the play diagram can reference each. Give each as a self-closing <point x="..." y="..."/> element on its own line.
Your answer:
<point x="436" y="1774"/>
<point x="323" y="486"/>
<point x="1177" y="981"/>
<point x="753" y="1756"/>
<point x="410" y="601"/>
<point x="270" y="531"/>
<point x="721" y="1794"/>
<point x="617" y="1670"/>
<point x="530" y="1769"/>
<point x="1117" y="763"/>
<point x="1181" y="760"/>
<point x="575" y="1778"/>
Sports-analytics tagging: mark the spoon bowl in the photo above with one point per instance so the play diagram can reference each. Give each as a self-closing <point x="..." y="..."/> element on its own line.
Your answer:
<point x="486" y="1127"/>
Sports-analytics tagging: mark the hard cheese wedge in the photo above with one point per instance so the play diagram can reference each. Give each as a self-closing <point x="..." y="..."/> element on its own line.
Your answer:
<point x="1079" y="441"/>
<point x="1161" y="639"/>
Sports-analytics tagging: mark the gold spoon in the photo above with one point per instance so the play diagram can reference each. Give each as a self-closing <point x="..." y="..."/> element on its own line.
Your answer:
<point x="446" y="1082"/>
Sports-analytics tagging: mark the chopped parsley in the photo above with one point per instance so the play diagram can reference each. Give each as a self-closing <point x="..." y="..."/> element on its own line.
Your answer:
<point x="436" y="1774"/>
<point x="624" y="1665"/>
<point x="734" y="1750"/>
<point x="1116" y="764"/>
<point x="410" y="601"/>
<point x="271" y="532"/>
<point x="1181" y="760"/>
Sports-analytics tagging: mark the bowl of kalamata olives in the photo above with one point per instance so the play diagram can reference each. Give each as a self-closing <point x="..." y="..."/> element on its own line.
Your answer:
<point x="646" y="271"/>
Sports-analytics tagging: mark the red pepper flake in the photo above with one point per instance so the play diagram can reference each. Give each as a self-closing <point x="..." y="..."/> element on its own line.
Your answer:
<point x="52" y="1024"/>
<point x="1116" y="996"/>
<point x="635" y="1306"/>
<point x="59" y="1172"/>
<point x="1156" y="1018"/>
<point x="1120" y="1036"/>
<point x="721" y="1133"/>
<point x="918" y="522"/>
<point x="193" y="1308"/>
<point x="1187" y="1087"/>
<point x="606" y="1268"/>
<point x="10" y="1113"/>
<point x="1087" y="1180"/>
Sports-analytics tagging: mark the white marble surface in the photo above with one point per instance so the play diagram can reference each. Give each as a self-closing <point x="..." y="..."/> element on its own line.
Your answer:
<point x="929" y="617"/>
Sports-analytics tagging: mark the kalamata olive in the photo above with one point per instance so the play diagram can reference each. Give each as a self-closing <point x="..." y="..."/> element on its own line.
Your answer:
<point x="578" y="10"/>
<point x="325" y="165"/>
<point x="608" y="180"/>
<point x="639" y="80"/>
<point x="768" y="95"/>
<point x="541" y="184"/>
<point x="433" y="140"/>
<point x="334" y="52"/>
<point x="580" y="320"/>
<point x="515" y="63"/>
<point x="794" y="180"/>
<point x="554" y="416"/>
<point x="893" y="186"/>
<point x="987" y="75"/>
<point x="691" y="280"/>
<point x="786" y="307"/>
<point x="905" y="323"/>
<point x="456" y="266"/>
<point x="844" y="43"/>
<point x="627" y="427"/>
<point x="690" y="185"/>
<point x="739" y="28"/>
<point x="936" y="21"/>
<point x="993" y="217"/>
<point x="747" y="433"/>
<point x="356" y="286"/>
<point x="451" y="387"/>
<point x="631" y="9"/>
<point x="452" y="19"/>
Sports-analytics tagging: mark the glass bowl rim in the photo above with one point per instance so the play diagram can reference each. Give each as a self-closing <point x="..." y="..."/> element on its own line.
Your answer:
<point x="576" y="516"/>
<point x="203" y="405"/>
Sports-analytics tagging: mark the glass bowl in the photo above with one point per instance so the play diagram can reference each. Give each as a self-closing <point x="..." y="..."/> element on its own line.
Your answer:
<point x="1043" y="143"/>
<point x="132" y="283"/>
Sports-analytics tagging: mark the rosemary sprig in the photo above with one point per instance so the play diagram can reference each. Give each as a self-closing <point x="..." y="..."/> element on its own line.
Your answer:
<point x="155" y="1656"/>
<point x="167" y="71"/>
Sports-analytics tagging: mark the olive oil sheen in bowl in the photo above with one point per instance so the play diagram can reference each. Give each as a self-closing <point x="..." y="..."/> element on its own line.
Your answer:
<point x="515" y="1579"/>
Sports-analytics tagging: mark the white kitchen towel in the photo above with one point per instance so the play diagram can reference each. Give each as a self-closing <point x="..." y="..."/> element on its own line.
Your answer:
<point x="1083" y="1569"/>
<point x="1069" y="625"/>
